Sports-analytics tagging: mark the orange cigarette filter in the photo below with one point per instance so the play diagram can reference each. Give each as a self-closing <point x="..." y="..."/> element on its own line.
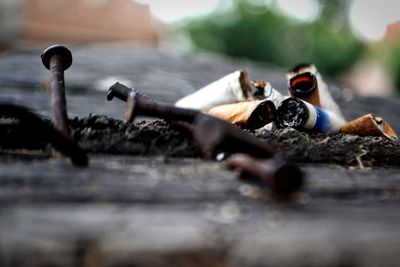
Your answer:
<point x="249" y="115"/>
<point x="305" y="87"/>
<point x="369" y="125"/>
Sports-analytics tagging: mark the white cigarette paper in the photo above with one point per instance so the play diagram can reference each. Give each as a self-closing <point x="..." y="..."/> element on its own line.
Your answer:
<point x="231" y="88"/>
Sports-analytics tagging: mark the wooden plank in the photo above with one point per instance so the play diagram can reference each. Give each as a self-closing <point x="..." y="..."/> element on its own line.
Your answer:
<point x="157" y="210"/>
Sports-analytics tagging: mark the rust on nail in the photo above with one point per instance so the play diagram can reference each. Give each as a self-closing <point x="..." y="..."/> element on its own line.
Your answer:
<point x="215" y="135"/>
<point x="209" y="132"/>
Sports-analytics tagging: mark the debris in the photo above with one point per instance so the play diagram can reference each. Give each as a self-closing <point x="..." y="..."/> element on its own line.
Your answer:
<point x="362" y="153"/>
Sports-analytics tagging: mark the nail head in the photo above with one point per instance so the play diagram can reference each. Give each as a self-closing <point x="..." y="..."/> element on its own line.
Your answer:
<point x="60" y="50"/>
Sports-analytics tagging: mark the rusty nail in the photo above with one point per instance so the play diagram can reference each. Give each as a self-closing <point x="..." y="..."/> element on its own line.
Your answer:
<point x="215" y="135"/>
<point x="138" y="105"/>
<point x="276" y="173"/>
<point x="60" y="142"/>
<point x="119" y="91"/>
<point x="57" y="59"/>
<point x="209" y="132"/>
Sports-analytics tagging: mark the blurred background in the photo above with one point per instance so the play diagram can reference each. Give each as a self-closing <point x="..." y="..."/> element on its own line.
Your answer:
<point x="356" y="41"/>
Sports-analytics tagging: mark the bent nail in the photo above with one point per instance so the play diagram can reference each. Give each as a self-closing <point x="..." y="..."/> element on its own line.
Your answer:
<point x="213" y="134"/>
<point x="296" y="113"/>
<point x="369" y="125"/>
<point x="276" y="173"/>
<point x="306" y="83"/>
<point x="232" y="88"/>
<point x="249" y="115"/>
<point x="209" y="132"/>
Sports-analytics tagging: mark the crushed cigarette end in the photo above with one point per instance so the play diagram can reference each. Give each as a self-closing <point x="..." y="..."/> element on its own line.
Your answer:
<point x="369" y="125"/>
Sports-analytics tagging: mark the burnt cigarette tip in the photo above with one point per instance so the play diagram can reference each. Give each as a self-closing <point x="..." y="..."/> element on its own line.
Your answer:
<point x="263" y="114"/>
<point x="292" y="113"/>
<point x="302" y="85"/>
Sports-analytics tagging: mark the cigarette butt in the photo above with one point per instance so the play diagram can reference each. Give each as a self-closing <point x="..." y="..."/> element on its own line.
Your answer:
<point x="300" y="69"/>
<point x="325" y="98"/>
<point x="369" y="125"/>
<point x="268" y="92"/>
<point x="305" y="87"/>
<point x="249" y="115"/>
<point x="232" y="88"/>
<point x="296" y="113"/>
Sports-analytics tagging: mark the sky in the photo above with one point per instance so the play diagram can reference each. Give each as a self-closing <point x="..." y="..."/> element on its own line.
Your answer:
<point x="368" y="17"/>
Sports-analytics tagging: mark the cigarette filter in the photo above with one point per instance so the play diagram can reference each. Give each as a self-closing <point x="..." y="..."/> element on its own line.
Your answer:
<point x="232" y="88"/>
<point x="315" y="92"/>
<point x="369" y="125"/>
<point x="301" y="115"/>
<point x="268" y="92"/>
<point x="250" y="115"/>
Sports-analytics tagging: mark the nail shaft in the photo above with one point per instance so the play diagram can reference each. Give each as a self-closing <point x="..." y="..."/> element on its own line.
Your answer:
<point x="58" y="102"/>
<point x="276" y="173"/>
<point x="57" y="59"/>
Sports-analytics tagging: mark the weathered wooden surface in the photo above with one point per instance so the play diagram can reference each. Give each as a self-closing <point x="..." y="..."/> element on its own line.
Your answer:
<point x="157" y="211"/>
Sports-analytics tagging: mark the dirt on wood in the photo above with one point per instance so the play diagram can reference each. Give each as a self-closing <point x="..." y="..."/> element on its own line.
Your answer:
<point x="101" y="134"/>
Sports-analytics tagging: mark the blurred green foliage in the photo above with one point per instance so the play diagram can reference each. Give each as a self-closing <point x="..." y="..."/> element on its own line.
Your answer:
<point x="391" y="52"/>
<point x="262" y="33"/>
